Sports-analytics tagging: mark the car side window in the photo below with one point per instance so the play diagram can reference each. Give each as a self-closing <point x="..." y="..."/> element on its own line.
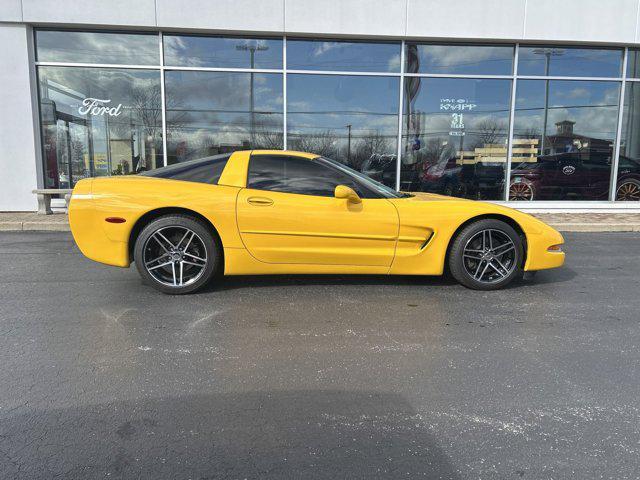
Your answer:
<point x="202" y="170"/>
<point x="288" y="174"/>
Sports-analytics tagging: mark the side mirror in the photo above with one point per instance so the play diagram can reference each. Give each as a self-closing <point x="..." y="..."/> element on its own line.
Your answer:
<point x="349" y="194"/>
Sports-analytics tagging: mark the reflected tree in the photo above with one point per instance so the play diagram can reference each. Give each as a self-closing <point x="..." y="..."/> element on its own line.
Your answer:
<point x="321" y="143"/>
<point x="268" y="135"/>
<point x="374" y="143"/>
<point x="489" y="131"/>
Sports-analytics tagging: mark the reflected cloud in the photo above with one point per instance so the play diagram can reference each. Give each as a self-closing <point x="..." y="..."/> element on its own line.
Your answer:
<point x="98" y="47"/>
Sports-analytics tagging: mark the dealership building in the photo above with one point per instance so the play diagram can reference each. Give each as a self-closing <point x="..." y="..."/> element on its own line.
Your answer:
<point x="531" y="103"/>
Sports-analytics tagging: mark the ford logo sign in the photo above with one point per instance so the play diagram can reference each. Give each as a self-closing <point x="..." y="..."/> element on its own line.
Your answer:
<point x="569" y="170"/>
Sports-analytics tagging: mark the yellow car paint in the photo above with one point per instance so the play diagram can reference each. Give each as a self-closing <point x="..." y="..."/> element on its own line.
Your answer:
<point x="264" y="232"/>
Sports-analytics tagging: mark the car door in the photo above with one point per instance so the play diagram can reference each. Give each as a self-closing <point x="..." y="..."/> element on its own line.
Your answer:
<point x="288" y="214"/>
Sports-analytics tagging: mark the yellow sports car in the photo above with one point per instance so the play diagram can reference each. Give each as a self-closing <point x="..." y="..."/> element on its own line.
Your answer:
<point x="283" y="212"/>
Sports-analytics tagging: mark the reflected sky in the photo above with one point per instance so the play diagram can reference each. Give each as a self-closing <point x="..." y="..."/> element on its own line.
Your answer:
<point x="592" y="105"/>
<point x="210" y="110"/>
<point x="345" y="56"/>
<point x="195" y="51"/>
<point x="460" y="59"/>
<point x="97" y="47"/>
<point x="633" y="63"/>
<point x="567" y="61"/>
<point x="325" y="111"/>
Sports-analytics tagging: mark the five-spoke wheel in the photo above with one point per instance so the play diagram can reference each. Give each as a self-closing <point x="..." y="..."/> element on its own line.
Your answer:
<point x="176" y="253"/>
<point x="489" y="256"/>
<point x="486" y="255"/>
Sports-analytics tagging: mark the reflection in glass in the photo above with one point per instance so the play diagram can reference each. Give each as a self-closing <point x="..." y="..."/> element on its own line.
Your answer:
<point x="353" y="119"/>
<point x="201" y="170"/>
<point x="459" y="59"/>
<point x="454" y="135"/>
<point x="628" y="182"/>
<point x="99" y="121"/>
<point x="345" y="56"/>
<point x="564" y="133"/>
<point x="633" y="63"/>
<point x="97" y="47"/>
<point x="569" y="61"/>
<point x="222" y="52"/>
<point x="218" y="112"/>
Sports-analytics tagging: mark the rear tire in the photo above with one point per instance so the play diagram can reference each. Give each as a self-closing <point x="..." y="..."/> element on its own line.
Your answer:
<point x="486" y="255"/>
<point x="177" y="254"/>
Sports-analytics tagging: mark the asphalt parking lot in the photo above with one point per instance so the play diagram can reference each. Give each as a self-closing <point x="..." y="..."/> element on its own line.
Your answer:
<point x="319" y="377"/>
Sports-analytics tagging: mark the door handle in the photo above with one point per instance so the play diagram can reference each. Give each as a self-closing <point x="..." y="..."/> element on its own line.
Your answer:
<point x="260" y="201"/>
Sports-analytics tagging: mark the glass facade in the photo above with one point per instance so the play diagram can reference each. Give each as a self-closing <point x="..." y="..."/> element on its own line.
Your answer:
<point x="459" y="59"/>
<point x="570" y="126"/>
<point x="628" y="175"/>
<point x="197" y="51"/>
<point x="99" y="121"/>
<point x="353" y="119"/>
<point x="217" y="112"/>
<point x="345" y="56"/>
<point x="569" y="61"/>
<point x="454" y="134"/>
<point x="484" y="121"/>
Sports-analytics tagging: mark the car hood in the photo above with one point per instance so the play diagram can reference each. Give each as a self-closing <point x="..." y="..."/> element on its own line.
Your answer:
<point x="432" y="197"/>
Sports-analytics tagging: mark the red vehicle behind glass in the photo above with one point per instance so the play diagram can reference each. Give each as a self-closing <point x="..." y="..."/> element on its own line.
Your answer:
<point x="581" y="175"/>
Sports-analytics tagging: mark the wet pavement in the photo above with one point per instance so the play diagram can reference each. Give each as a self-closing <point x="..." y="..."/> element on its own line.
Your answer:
<point x="319" y="377"/>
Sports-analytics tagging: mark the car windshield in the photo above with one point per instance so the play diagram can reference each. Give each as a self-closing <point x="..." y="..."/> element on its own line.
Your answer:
<point x="361" y="178"/>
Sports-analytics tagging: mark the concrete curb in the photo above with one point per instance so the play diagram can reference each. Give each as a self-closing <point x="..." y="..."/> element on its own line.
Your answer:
<point x="596" y="227"/>
<point x="34" y="226"/>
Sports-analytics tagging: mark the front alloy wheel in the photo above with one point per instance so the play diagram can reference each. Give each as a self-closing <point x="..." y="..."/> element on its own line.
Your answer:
<point x="486" y="255"/>
<point x="176" y="254"/>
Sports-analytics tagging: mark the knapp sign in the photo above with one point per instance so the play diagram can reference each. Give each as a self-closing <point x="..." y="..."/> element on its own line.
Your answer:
<point x="98" y="106"/>
<point x="457" y="105"/>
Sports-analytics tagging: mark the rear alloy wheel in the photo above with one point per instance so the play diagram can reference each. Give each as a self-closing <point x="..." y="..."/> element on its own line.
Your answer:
<point x="628" y="190"/>
<point x="486" y="255"/>
<point x="521" y="191"/>
<point x="176" y="254"/>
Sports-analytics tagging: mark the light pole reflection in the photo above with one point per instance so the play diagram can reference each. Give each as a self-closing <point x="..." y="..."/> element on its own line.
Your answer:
<point x="252" y="49"/>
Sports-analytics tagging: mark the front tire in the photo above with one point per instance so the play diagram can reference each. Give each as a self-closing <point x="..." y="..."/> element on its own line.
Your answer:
<point x="486" y="255"/>
<point x="177" y="254"/>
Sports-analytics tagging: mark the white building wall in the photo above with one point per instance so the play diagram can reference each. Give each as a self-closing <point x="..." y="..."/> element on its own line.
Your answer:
<point x="592" y="21"/>
<point x="18" y="150"/>
<point x="614" y="22"/>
